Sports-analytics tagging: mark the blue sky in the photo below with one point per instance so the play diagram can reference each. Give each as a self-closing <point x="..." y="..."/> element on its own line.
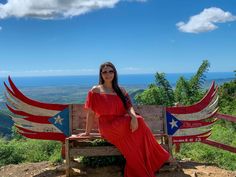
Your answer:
<point x="56" y="37"/>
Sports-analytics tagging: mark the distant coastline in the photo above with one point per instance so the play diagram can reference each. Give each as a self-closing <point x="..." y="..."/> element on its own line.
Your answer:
<point x="142" y="80"/>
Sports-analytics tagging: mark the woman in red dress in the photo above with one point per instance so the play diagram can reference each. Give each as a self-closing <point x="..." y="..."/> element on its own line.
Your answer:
<point x="119" y="125"/>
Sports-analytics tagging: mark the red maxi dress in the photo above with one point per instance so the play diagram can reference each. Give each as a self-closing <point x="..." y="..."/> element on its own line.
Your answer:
<point x="143" y="154"/>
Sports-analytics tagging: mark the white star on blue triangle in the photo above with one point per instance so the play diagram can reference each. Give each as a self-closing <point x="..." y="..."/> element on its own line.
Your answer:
<point x="61" y="121"/>
<point x="173" y="123"/>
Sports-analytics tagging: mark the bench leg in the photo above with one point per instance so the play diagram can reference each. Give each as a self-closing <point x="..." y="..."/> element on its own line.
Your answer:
<point x="68" y="165"/>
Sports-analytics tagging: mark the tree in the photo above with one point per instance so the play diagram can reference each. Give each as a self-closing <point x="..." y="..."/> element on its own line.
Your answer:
<point x="160" y="93"/>
<point x="151" y="96"/>
<point x="186" y="92"/>
<point x="227" y="101"/>
<point x="190" y="91"/>
<point x="168" y="93"/>
<point x="182" y="91"/>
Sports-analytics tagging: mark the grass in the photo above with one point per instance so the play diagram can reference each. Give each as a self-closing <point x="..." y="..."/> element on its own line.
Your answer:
<point x="19" y="151"/>
<point x="204" y="153"/>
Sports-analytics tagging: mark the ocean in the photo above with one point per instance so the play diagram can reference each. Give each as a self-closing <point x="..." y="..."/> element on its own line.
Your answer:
<point x="136" y="80"/>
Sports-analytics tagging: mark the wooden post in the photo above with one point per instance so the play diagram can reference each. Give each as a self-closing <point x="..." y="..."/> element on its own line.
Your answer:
<point x="177" y="147"/>
<point x="63" y="150"/>
<point x="70" y="118"/>
<point x="169" y="138"/>
<point x="67" y="149"/>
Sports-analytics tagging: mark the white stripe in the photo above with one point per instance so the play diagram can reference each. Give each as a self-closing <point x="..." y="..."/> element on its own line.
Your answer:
<point x="204" y="113"/>
<point x="22" y="106"/>
<point x="192" y="131"/>
<point x="36" y="126"/>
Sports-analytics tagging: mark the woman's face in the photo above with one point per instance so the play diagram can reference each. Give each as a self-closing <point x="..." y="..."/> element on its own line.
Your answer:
<point x="107" y="74"/>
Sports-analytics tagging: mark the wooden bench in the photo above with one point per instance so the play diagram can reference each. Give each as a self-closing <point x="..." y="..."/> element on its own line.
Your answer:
<point x="154" y="116"/>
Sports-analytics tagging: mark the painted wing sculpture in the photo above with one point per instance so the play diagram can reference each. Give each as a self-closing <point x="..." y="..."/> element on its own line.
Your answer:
<point x="192" y="123"/>
<point x="48" y="121"/>
<point x="35" y="119"/>
<point x="51" y="121"/>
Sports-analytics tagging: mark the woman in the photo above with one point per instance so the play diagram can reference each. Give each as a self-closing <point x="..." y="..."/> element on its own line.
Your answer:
<point x="119" y="125"/>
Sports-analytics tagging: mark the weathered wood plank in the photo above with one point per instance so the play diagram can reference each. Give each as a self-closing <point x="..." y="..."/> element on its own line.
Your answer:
<point x="95" y="151"/>
<point x="152" y="114"/>
<point x="108" y="150"/>
<point x="192" y="131"/>
<point x="226" y="117"/>
<point x="220" y="145"/>
<point x="207" y="112"/>
<point x="33" y="110"/>
<point x="78" y="117"/>
<point x="37" y="127"/>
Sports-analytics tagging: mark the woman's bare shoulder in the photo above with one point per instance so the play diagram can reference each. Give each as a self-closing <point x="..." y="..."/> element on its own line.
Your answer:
<point x="96" y="89"/>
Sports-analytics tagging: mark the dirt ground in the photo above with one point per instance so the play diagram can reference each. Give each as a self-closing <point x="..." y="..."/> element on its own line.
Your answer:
<point x="46" y="169"/>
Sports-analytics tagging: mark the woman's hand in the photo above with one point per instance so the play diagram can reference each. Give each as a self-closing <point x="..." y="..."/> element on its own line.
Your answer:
<point x="85" y="134"/>
<point x="133" y="124"/>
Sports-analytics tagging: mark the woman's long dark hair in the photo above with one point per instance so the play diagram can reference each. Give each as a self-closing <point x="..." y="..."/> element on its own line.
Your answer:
<point x="115" y="85"/>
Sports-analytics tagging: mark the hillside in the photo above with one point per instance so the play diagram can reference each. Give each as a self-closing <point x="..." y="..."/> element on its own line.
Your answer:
<point x="5" y="125"/>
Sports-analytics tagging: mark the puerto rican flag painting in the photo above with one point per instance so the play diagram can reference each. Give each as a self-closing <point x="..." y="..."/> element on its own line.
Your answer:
<point x="37" y="120"/>
<point x="61" y="121"/>
<point x="193" y="123"/>
<point x="173" y="124"/>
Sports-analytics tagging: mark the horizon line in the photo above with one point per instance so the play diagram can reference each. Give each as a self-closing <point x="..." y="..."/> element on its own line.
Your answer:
<point x="74" y="75"/>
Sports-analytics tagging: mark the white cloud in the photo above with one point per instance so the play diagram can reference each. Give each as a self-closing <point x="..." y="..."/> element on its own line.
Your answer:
<point x="135" y="70"/>
<point x="206" y="20"/>
<point x="4" y="71"/>
<point x="45" y="9"/>
<point x="131" y="69"/>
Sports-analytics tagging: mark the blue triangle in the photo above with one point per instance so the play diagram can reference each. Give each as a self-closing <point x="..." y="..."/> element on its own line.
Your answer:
<point x="61" y="121"/>
<point x="173" y="124"/>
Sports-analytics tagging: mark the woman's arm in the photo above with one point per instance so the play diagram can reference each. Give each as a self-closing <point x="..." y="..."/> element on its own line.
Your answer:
<point x="90" y="114"/>
<point x="89" y="123"/>
<point x="131" y="112"/>
<point x="134" y="121"/>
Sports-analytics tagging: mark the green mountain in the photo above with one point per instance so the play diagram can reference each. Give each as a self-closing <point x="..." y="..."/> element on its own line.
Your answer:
<point x="5" y="125"/>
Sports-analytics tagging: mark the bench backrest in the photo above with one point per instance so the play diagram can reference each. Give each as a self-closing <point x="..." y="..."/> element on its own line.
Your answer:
<point x="154" y="116"/>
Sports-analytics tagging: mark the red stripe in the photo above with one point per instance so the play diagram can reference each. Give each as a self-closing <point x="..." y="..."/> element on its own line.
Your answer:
<point x="45" y="136"/>
<point x="24" y="129"/>
<point x="17" y="112"/>
<point x="226" y="117"/>
<point x="195" y="124"/>
<point x="29" y="101"/>
<point x="200" y="122"/>
<point x="8" y="89"/>
<point x="195" y="138"/>
<point x="220" y="145"/>
<point x="41" y="135"/>
<point x="196" y="107"/>
<point x="30" y="117"/>
<point x="38" y="119"/>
